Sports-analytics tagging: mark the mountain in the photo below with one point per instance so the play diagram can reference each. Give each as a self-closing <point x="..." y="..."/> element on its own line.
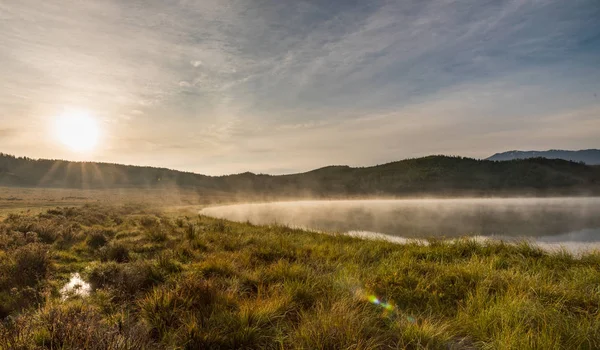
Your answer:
<point x="587" y="156"/>
<point x="433" y="175"/>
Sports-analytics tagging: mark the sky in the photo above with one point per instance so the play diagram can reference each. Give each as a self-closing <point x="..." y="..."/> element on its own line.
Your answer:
<point x="219" y="86"/>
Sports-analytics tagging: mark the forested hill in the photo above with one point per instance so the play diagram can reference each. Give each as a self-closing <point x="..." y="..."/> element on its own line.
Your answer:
<point x="429" y="175"/>
<point x="587" y="156"/>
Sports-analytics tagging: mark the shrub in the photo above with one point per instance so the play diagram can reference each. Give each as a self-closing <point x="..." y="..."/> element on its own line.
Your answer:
<point x="125" y="280"/>
<point x="101" y="275"/>
<point x="68" y="237"/>
<point x="71" y="325"/>
<point x="160" y="310"/>
<point x="164" y="308"/>
<point x="149" y="221"/>
<point x="23" y="275"/>
<point x="96" y="239"/>
<point x="157" y="234"/>
<point x="31" y="264"/>
<point x="115" y="252"/>
<point x="47" y="232"/>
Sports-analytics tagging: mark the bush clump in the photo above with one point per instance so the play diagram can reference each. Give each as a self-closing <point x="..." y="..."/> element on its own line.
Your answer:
<point x="166" y="307"/>
<point x="157" y="234"/>
<point x="31" y="264"/>
<point x="115" y="252"/>
<point x="124" y="280"/>
<point x="23" y="277"/>
<point x="72" y="325"/>
<point x="96" y="239"/>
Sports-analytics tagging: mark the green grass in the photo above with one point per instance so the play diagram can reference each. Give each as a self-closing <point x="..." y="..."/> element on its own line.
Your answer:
<point x="182" y="281"/>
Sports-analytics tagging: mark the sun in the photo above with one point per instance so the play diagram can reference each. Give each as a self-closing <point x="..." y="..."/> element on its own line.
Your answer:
<point x="78" y="130"/>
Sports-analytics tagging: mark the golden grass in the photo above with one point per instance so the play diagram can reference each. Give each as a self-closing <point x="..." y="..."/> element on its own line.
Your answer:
<point x="203" y="283"/>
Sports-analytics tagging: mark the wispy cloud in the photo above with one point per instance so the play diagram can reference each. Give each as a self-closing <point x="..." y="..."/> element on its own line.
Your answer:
<point x="6" y="132"/>
<point x="200" y="84"/>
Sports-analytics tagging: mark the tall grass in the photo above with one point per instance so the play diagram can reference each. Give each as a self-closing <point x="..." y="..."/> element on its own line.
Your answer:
<point x="162" y="281"/>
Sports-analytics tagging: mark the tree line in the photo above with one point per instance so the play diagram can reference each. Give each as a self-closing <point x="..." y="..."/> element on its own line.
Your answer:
<point x="419" y="176"/>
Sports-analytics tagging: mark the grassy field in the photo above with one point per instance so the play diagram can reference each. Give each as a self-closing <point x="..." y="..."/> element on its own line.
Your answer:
<point x="18" y="198"/>
<point x="176" y="280"/>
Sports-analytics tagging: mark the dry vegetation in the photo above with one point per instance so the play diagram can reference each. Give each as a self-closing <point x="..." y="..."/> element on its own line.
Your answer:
<point x="182" y="281"/>
<point x="17" y="198"/>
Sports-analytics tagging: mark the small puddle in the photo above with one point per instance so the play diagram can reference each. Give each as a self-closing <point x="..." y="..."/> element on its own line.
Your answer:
<point x="75" y="287"/>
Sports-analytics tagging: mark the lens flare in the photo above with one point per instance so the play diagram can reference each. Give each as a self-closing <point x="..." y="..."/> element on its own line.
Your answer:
<point x="373" y="299"/>
<point x="388" y="308"/>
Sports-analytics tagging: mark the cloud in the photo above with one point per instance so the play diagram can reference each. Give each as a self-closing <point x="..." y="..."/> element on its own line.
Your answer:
<point x="6" y="132"/>
<point x="217" y="78"/>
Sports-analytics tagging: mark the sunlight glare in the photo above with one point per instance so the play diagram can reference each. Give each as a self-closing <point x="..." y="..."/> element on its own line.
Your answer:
<point x="77" y="130"/>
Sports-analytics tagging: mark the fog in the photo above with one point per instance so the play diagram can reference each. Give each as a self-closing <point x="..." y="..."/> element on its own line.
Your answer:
<point x="549" y="221"/>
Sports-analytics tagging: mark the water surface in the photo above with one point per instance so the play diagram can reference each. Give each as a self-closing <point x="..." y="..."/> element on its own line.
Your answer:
<point x="545" y="220"/>
<point x="75" y="287"/>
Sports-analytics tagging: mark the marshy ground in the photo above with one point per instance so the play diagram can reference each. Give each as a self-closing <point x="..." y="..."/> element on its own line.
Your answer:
<point x="176" y="280"/>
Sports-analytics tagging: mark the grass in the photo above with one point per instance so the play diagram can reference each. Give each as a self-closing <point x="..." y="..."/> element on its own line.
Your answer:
<point x="182" y="281"/>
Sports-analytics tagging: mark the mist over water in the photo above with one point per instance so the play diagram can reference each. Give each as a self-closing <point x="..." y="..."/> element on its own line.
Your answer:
<point x="549" y="221"/>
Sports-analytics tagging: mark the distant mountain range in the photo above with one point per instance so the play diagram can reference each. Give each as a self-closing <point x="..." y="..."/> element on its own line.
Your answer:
<point x="587" y="156"/>
<point x="433" y="175"/>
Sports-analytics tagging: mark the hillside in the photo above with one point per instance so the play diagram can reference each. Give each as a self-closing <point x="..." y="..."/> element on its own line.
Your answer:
<point x="587" y="156"/>
<point x="428" y="175"/>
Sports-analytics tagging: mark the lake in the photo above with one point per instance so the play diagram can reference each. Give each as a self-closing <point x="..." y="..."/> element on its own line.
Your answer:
<point x="553" y="221"/>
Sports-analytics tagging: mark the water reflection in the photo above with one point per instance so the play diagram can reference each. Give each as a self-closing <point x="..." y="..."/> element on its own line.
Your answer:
<point x="548" y="220"/>
<point x="75" y="287"/>
<point x="585" y="235"/>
